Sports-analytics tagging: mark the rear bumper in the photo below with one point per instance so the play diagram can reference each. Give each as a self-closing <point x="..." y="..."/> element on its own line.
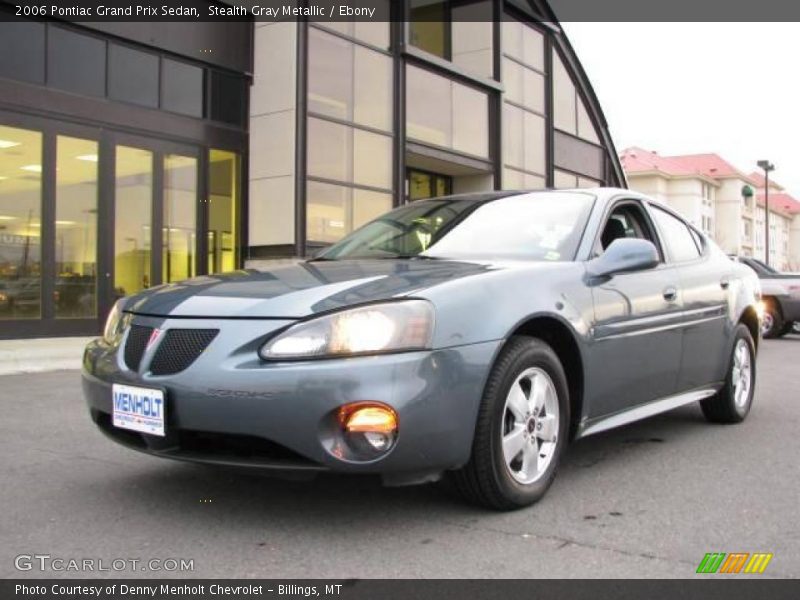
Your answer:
<point x="247" y="413"/>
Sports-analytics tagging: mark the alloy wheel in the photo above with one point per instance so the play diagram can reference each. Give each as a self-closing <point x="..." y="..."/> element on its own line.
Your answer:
<point x="742" y="373"/>
<point x="530" y="425"/>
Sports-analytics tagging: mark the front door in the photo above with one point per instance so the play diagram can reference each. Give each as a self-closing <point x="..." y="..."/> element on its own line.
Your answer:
<point x="704" y="291"/>
<point x="637" y="334"/>
<point x="50" y="227"/>
<point x="156" y="214"/>
<point x="421" y="185"/>
<point x="88" y="215"/>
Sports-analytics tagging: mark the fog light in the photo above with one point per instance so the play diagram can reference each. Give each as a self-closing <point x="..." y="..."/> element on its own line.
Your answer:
<point x="366" y="418"/>
<point x="370" y="428"/>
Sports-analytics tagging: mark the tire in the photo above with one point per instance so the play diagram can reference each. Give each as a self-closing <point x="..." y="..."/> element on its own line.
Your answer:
<point x="732" y="404"/>
<point x="787" y="328"/>
<point x="772" y="323"/>
<point x="530" y="367"/>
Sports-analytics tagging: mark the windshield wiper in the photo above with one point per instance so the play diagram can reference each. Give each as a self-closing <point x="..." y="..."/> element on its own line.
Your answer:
<point x="321" y="259"/>
<point x="377" y="257"/>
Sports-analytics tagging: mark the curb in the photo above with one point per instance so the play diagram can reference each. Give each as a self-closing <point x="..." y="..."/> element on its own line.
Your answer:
<point x="41" y="355"/>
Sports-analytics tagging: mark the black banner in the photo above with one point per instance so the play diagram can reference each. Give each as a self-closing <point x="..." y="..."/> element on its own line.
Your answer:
<point x="386" y="10"/>
<point x="713" y="588"/>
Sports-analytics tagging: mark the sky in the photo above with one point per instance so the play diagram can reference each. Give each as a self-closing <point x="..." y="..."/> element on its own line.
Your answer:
<point x="689" y="88"/>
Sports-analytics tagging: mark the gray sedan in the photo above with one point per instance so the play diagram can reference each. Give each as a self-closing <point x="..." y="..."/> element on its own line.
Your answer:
<point x="470" y="336"/>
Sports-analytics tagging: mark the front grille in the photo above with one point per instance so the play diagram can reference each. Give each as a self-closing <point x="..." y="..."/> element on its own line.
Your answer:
<point x="138" y="336"/>
<point x="180" y="348"/>
<point x="225" y="448"/>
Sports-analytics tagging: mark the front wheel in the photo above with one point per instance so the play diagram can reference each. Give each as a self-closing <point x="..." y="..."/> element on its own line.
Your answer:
<point x="521" y="429"/>
<point x="732" y="403"/>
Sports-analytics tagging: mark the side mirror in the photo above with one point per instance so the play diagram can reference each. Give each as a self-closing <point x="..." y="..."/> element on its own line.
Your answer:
<point x="624" y="255"/>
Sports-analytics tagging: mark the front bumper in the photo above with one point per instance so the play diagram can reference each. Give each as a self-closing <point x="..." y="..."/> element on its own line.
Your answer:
<point x="231" y="408"/>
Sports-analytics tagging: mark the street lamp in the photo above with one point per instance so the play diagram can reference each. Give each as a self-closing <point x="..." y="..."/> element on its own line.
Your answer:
<point x="767" y="166"/>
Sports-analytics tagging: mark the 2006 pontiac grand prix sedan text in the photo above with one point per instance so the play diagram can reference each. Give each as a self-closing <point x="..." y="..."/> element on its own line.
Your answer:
<point x="470" y="336"/>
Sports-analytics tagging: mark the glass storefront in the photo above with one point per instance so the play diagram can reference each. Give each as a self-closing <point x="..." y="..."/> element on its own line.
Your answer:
<point x="223" y="211"/>
<point x="458" y="31"/>
<point x="349" y="156"/>
<point x="423" y="184"/>
<point x="76" y="228"/>
<point x="120" y="163"/>
<point x="463" y="96"/>
<point x="180" y="218"/>
<point x="20" y="223"/>
<point x="133" y="220"/>
<point x="524" y="122"/>
<point x="444" y="113"/>
<point x="66" y="254"/>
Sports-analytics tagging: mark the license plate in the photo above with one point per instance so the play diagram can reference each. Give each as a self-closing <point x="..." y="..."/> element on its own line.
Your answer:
<point x="138" y="409"/>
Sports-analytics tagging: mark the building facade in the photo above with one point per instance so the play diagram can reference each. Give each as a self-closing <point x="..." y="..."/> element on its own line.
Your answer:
<point x="134" y="154"/>
<point x="722" y="201"/>
<point x="453" y="96"/>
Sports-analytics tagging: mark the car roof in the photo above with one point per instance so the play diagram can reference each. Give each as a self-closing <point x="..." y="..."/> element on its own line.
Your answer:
<point x="603" y="195"/>
<point x="494" y="195"/>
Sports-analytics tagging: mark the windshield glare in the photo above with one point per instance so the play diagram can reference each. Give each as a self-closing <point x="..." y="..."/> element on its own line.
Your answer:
<point x="534" y="226"/>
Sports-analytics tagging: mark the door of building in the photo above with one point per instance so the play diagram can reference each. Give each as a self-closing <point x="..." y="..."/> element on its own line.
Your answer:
<point x="425" y="184"/>
<point x="155" y="214"/>
<point x="88" y="215"/>
<point x="51" y="226"/>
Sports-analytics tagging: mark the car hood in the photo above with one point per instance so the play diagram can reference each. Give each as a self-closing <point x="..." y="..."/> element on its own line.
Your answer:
<point x="298" y="290"/>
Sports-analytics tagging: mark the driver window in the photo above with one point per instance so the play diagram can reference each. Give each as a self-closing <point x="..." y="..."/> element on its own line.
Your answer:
<point x="625" y="221"/>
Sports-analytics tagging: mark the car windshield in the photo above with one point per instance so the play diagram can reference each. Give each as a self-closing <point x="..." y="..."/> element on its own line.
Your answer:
<point x="533" y="226"/>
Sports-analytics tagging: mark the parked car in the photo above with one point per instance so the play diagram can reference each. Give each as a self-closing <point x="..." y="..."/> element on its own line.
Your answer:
<point x="471" y="336"/>
<point x="781" y="297"/>
<point x="22" y="295"/>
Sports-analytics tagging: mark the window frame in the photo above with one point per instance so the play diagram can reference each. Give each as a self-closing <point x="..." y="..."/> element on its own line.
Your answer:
<point x="492" y="122"/>
<point x="307" y="115"/>
<point x="647" y="221"/>
<point x="702" y="253"/>
<point x="447" y="23"/>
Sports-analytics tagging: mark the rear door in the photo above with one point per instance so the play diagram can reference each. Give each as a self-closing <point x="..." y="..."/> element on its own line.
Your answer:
<point x="704" y="281"/>
<point x="637" y="338"/>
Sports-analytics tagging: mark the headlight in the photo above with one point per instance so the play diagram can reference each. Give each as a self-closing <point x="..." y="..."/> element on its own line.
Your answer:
<point x="388" y="327"/>
<point x="115" y="324"/>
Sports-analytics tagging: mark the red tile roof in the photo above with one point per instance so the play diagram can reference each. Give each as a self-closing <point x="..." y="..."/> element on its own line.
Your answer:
<point x="637" y="160"/>
<point x="711" y="165"/>
<point x="780" y="202"/>
<point x="759" y="181"/>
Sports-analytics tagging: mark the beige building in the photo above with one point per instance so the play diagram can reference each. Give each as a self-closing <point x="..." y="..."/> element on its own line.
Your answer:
<point x="722" y="201"/>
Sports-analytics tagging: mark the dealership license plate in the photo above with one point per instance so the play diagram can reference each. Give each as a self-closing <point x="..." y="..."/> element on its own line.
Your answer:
<point x="138" y="409"/>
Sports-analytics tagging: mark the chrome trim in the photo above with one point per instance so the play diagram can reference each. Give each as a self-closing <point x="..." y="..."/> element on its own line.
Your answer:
<point x="660" y="322"/>
<point x="657" y="329"/>
<point x="644" y="411"/>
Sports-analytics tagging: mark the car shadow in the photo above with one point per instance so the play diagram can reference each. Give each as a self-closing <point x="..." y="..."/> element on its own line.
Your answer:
<point x="196" y="492"/>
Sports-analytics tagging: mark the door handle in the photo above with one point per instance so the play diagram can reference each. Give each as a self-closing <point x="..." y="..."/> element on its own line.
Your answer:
<point x="670" y="294"/>
<point x="724" y="283"/>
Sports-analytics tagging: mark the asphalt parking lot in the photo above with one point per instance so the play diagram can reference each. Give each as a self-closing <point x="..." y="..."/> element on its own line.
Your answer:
<point x="648" y="500"/>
